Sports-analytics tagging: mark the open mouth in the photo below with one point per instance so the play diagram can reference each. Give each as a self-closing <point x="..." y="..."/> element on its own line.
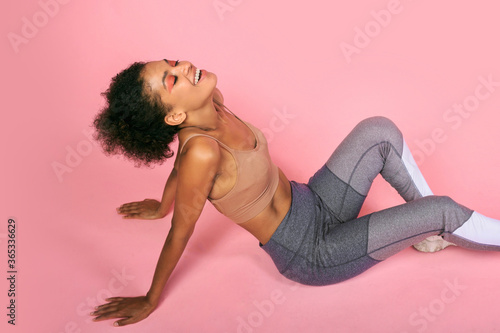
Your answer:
<point x="197" y="76"/>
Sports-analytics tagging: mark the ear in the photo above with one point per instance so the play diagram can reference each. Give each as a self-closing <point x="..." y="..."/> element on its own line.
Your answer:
<point x="174" y="118"/>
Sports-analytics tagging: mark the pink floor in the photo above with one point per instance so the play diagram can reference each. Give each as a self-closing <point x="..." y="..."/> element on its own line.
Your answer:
<point x="306" y="72"/>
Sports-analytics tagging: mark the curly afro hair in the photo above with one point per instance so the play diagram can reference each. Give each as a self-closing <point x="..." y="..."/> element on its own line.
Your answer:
<point x="132" y="122"/>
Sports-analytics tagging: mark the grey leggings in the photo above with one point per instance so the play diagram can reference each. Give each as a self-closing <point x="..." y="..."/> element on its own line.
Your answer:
<point x="322" y="241"/>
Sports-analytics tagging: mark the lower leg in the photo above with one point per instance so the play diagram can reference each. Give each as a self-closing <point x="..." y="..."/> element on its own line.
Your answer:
<point x="481" y="231"/>
<point x="374" y="146"/>
<point x="396" y="228"/>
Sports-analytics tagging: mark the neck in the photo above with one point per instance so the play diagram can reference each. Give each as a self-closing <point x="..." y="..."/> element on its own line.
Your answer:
<point x="207" y="119"/>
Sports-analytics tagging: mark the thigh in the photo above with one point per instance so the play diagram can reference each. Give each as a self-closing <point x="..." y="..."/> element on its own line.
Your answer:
<point x="338" y="253"/>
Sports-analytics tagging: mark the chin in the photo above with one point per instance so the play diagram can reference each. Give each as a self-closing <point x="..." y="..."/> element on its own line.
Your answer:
<point x="211" y="81"/>
<point x="212" y="77"/>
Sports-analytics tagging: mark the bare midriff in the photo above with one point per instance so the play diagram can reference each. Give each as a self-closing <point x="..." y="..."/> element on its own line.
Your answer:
<point x="266" y="222"/>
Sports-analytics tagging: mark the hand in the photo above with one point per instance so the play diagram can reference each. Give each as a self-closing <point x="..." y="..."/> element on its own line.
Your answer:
<point x="132" y="309"/>
<point x="148" y="209"/>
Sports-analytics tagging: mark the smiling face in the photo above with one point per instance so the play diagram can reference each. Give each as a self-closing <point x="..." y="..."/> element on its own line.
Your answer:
<point x="180" y="84"/>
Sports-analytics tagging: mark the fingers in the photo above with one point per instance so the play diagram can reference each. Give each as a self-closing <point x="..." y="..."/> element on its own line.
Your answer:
<point x="107" y="313"/>
<point x="108" y="310"/>
<point x="130" y="211"/>
<point x="131" y="216"/>
<point x="135" y="204"/>
<point x="146" y="209"/>
<point x="112" y="303"/>
<point x="127" y="309"/>
<point x="114" y="299"/>
<point x="127" y="321"/>
<point x="131" y="206"/>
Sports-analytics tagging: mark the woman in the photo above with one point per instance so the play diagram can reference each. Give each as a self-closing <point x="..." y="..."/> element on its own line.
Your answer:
<point x="311" y="231"/>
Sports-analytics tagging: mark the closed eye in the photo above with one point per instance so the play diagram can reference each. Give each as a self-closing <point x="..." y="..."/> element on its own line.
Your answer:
<point x="170" y="62"/>
<point x="171" y="80"/>
<point x="175" y="77"/>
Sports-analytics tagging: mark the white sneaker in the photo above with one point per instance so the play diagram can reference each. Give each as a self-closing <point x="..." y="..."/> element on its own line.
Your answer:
<point x="432" y="244"/>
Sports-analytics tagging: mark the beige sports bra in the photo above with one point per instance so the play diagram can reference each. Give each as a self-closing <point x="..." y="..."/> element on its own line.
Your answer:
<point x="256" y="182"/>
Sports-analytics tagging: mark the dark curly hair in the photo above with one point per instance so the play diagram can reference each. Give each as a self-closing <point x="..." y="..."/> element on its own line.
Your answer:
<point x="132" y="122"/>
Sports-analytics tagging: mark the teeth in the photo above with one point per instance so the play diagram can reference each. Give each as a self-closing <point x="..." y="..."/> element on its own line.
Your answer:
<point x="197" y="76"/>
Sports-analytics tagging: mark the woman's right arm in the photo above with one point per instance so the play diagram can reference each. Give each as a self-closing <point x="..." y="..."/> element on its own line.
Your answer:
<point x="194" y="182"/>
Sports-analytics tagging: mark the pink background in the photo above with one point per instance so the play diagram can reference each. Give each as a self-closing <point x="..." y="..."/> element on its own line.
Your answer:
<point x="271" y="58"/>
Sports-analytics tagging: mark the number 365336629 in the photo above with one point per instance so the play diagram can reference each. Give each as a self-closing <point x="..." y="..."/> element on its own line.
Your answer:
<point x="11" y="244"/>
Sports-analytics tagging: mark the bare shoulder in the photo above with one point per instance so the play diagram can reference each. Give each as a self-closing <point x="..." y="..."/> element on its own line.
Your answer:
<point x="198" y="162"/>
<point x="198" y="149"/>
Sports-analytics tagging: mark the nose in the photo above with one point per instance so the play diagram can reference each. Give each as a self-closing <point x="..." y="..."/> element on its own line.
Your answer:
<point x="184" y="67"/>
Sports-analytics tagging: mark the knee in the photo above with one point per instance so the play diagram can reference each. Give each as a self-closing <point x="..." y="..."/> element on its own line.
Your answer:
<point x="378" y="123"/>
<point x="442" y="202"/>
<point x="451" y="212"/>
<point x="382" y="128"/>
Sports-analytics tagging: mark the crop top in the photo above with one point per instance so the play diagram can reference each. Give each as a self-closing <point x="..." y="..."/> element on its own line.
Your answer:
<point x="256" y="180"/>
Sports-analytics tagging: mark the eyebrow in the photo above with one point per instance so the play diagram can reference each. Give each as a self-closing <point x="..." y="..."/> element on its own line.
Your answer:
<point x="165" y="75"/>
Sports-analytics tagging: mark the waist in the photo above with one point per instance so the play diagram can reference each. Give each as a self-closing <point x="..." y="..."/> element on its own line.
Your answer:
<point x="265" y="224"/>
<point x="289" y="236"/>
